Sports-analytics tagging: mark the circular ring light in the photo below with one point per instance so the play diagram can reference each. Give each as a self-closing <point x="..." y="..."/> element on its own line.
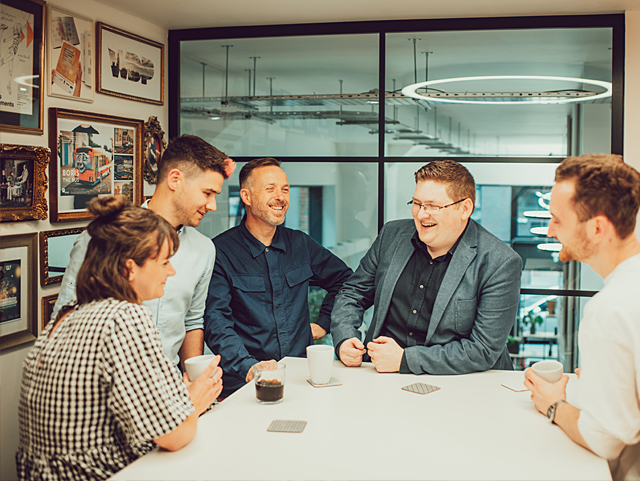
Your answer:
<point x="410" y="90"/>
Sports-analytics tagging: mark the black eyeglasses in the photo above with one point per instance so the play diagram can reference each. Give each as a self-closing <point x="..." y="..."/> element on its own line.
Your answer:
<point x="431" y="208"/>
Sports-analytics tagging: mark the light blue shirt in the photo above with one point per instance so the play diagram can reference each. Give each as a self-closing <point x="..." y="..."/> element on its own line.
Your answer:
<point x="181" y="309"/>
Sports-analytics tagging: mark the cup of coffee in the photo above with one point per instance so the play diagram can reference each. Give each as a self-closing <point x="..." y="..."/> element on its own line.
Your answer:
<point x="320" y="359"/>
<point x="269" y="381"/>
<point x="550" y="371"/>
<point x="196" y="365"/>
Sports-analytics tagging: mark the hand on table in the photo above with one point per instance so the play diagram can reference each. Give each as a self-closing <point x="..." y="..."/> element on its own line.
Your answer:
<point x="318" y="331"/>
<point x="351" y="352"/>
<point x="385" y="354"/>
<point x="206" y="388"/>
<point x="267" y="365"/>
<point x="543" y="393"/>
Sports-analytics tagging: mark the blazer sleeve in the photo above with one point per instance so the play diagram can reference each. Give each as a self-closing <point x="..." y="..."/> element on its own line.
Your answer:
<point x="356" y="296"/>
<point x="495" y="310"/>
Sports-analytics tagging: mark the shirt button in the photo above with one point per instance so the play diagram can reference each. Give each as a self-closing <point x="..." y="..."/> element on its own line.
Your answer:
<point x="421" y="286"/>
<point x="430" y="262"/>
<point x="411" y="333"/>
<point x="267" y="249"/>
<point x="415" y="312"/>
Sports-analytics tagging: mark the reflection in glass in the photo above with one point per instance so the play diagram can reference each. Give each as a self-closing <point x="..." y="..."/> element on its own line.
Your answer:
<point x="60" y="253"/>
<point x="303" y="96"/>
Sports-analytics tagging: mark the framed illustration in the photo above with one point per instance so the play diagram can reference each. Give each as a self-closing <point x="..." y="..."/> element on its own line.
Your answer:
<point x="21" y="65"/>
<point x="23" y="182"/>
<point x="154" y="145"/>
<point x="71" y="51"/>
<point x="48" y="303"/>
<point x="55" y="253"/>
<point x="92" y="155"/>
<point x="18" y="287"/>
<point x="129" y="66"/>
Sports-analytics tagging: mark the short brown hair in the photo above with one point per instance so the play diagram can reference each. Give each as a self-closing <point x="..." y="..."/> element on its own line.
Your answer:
<point x="254" y="164"/>
<point x="459" y="181"/>
<point x="189" y="151"/>
<point x="604" y="185"/>
<point x="121" y="231"/>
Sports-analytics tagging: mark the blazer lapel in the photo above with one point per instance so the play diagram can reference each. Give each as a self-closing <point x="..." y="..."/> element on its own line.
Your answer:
<point x="400" y="259"/>
<point x="462" y="257"/>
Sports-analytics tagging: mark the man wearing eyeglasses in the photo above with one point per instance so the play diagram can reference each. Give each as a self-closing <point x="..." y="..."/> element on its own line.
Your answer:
<point x="445" y="291"/>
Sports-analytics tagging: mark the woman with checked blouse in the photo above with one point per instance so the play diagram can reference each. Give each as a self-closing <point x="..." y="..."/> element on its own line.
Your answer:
<point x="97" y="390"/>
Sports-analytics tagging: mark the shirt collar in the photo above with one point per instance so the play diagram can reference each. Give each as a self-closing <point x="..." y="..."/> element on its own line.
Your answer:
<point x="255" y="246"/>
<point x="180" y="229"/>
<point x="418" y="244"/>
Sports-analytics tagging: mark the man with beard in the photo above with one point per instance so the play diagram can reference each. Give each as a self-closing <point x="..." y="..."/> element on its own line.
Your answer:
<point x="257" y="309"/>
<point x="190" y="175"/>
<point x="594" y="205"/>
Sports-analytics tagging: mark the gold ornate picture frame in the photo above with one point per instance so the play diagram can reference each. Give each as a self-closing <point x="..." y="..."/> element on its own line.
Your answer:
<point x="55" y="251"/>
<point x="23" y="182"/>
<point x="48" y="303"/>
<point x="154" y="146"/>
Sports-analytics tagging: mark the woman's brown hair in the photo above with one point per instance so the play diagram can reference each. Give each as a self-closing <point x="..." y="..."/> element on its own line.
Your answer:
<point x="120" y="231"/>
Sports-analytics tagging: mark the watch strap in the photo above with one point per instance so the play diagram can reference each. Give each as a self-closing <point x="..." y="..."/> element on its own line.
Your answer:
<point x="551" y="412"/>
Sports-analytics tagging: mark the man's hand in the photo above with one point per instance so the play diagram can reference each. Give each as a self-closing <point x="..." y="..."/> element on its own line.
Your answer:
<point x="385" y="354"/>
<point x="543" y="393"/>
<point x="577" y="371"/>
<point x="206" y="388"/>
<point x="267" y="365"/>
<point x="318" y="331"/>
<point x="351" y="352"/>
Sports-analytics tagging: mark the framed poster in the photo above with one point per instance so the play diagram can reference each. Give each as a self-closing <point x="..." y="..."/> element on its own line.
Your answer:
<point x="71" y="51"/>
<point x="21" y="65"/>
<point x="92" y="155"/>
<point x="18" y="287"/>
<point x="129" y="66"/>
<point x="23" y="182"/>
<point x="48" y="303"/>
<point x="154" y="145"/>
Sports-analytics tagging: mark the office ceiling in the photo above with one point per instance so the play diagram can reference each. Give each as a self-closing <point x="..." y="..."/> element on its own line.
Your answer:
<point x="173" y="14"/>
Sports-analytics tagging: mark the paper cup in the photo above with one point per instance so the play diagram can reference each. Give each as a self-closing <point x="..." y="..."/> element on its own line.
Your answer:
<point x="320" y="359"/>
<point x="550" y="371"/>
<point x="196" y="365"/>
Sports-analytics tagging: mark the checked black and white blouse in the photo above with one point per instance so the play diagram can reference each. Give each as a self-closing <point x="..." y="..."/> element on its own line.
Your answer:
<point x="96" y="393"/>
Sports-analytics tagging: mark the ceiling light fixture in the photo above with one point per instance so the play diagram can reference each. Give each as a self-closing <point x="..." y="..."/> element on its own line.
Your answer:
<point x="538" y="214"/>
<point x="410" y="90"/>
<point x="550" y="247"/>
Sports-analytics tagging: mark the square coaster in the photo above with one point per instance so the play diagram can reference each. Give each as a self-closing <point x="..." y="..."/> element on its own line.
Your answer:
<point x="332" y="382"/>
<point x="284" y="426"/>
<point x="420" y="388"/>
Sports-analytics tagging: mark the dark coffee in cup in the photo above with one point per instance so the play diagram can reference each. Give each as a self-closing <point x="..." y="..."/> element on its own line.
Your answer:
<point x="269" y="390"/>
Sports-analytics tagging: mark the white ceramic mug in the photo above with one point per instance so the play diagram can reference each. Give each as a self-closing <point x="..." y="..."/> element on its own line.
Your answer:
<point x="550" y="371"/>
<point x="320" y="359"/>
<point x="197" y="365"/>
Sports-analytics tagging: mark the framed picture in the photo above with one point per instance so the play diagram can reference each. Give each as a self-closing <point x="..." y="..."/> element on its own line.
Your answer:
<point x="154" y="145"/>
<point x="21" y="65"/>
<point x="55" y="253"/>
<point x="48" y="303"/>
<point x="23" y="182"/>
<point x="92" y="155"/>
<point x="18" y="287"/>
<point x="71" y="52"/>
<point x="130" y="66"/>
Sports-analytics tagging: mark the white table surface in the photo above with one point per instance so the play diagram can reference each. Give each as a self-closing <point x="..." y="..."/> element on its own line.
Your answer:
<point x="369" y="428"/>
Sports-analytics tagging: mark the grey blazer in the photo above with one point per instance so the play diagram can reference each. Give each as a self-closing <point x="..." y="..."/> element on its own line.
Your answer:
<point x="473" y="312"/>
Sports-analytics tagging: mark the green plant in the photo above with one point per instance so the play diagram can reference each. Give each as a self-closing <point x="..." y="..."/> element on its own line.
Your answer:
<point x="513" y="344"/>
<point x="532" y="319"/>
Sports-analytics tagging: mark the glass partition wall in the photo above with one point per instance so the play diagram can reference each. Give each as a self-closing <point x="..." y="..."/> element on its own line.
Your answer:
<point x="507" y="97"/>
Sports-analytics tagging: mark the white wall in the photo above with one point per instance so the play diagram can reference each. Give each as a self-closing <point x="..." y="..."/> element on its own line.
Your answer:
<point x="11" y="359"/>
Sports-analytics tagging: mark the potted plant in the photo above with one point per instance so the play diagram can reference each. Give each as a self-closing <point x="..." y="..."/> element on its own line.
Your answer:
<point x="531" y="319"/>
<point x="513" y="345"/>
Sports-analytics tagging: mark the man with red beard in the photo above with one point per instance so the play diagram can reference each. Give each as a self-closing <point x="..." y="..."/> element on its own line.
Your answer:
<point x="594" y="205"/>
<point x="257" y="309"/>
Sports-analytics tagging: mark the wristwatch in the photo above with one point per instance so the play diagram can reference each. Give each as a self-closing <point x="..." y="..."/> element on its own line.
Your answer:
<point x="551" y="412"/>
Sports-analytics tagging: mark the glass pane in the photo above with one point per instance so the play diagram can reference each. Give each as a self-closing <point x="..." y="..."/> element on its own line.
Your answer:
<point x="507" y="117"/>
<point x="335" y="203"/>
<point x="281" y="96"/>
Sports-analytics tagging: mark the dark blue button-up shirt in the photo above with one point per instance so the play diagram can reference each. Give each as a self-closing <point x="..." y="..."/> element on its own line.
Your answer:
<point x="257" y="307"/>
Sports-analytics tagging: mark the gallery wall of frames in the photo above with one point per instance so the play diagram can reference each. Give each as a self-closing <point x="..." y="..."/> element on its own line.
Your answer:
<point x="83" y="112"/>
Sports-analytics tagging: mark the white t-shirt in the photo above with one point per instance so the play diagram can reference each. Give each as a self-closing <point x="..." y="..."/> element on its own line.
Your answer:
<point x="609" y="341"/>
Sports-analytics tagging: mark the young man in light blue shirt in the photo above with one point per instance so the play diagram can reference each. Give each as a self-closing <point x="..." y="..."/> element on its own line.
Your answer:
<point x="191" y="173"/>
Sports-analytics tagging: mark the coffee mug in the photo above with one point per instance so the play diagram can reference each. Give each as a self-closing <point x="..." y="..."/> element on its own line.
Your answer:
<point x="197" y="365"/>
<point x="320" y="359"/>
<point x="550" y="371"/>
